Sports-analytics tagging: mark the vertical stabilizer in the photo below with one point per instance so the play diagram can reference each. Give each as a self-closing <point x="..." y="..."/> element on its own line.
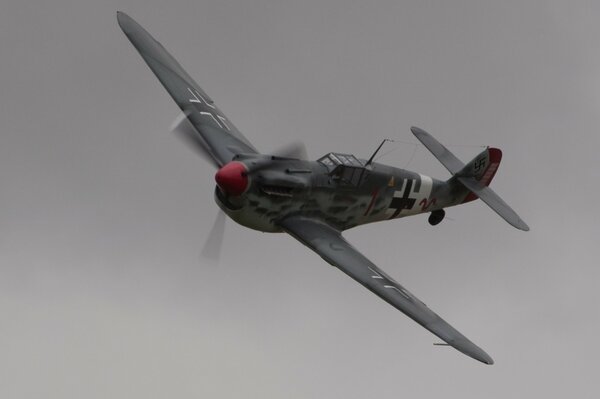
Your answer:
<point x="482" y="168"/>
<point x="475" y="175"/>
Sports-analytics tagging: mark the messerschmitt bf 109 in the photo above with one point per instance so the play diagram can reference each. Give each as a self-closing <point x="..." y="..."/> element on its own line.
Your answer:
<point x="314" y="201"/>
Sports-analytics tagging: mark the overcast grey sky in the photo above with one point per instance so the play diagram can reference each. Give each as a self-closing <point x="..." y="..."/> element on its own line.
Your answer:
<point x="103" y="292"/>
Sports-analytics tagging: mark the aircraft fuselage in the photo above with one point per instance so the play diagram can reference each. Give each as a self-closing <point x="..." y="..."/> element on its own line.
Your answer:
<point x="343" y="197"/>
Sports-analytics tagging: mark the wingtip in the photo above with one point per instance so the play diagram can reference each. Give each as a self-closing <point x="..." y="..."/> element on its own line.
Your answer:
<point x="521" y="225"/>
<point x="487" y="360"/>
<point x="481" y="355"/>
<point x="420" y="133"/>
<point x="127" y="23"/>
<point x="416" y="130"/>
<point x="122" y="18"/>
<point x="470" y="349"/>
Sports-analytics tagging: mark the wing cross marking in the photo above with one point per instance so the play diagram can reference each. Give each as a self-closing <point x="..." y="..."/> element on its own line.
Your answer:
<point x="198" y="99"/>
<point x="378" y="276"/>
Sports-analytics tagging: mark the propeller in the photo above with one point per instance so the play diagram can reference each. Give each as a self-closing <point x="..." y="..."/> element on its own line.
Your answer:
<point x="186" y="132"/>
<point x="214" y="242"/>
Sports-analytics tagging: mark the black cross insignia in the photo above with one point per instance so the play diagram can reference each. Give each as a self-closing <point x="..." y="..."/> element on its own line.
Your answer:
<point x="404" y="202"/>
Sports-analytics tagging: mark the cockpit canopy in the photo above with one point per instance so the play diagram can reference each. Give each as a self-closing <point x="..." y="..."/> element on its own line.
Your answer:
<point x="334" y="159"/>
<point x="345" y="168"/>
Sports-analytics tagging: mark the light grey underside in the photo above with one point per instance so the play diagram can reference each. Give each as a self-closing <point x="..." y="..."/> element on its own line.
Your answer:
<point x="334" y="249"/>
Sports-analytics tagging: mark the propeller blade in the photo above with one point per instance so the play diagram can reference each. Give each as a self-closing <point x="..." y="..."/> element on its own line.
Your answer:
<point x="214" y="242"/>
<point x="186" y="132"/>
<point x="295" y="150"/>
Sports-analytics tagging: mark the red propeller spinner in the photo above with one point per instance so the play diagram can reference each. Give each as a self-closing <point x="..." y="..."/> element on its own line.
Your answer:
<point x="232" y="178"/>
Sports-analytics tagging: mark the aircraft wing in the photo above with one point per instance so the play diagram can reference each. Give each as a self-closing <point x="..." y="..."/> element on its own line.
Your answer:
<point x="334" y="249"/>
<point x="220" y="137"/>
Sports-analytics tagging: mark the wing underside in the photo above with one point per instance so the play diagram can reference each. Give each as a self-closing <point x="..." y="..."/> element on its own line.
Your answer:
<point x="334" y="249"/>
<point x="221" y="138"/>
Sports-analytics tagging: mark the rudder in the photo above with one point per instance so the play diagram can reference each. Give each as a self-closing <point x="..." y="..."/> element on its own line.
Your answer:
<point x="483" y="168"/>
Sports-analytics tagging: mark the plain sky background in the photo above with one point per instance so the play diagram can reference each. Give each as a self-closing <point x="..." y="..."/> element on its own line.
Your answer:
<point x="103" y="293"/>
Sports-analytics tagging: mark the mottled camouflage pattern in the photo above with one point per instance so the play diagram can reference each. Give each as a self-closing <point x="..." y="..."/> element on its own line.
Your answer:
<point x="294" y="187"/>
<point x="315" y="201"/>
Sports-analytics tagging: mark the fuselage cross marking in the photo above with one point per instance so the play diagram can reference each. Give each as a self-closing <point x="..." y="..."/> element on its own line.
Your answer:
<point x="403" y="202"/>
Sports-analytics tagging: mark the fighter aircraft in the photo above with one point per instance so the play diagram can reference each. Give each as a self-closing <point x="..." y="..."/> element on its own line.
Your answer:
<point x="315" y="201"/>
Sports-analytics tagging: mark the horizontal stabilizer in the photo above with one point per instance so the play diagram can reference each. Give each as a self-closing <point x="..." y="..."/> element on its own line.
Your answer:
<point x="492" y="199"/>
<point x="450" y="162"/>
<point x="475" y="176"/>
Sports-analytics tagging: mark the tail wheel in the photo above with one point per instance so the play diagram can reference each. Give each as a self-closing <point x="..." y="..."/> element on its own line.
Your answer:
<point x="436" y="217"/>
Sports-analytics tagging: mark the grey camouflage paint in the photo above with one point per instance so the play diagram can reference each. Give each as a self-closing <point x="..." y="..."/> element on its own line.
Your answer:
<point x="295" y="187"/>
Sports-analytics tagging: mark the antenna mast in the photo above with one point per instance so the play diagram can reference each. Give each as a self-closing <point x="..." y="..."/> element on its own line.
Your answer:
<point x="370" y="161"/>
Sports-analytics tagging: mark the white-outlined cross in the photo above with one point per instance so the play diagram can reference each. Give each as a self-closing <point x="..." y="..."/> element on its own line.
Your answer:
<point x="219" y="119"/>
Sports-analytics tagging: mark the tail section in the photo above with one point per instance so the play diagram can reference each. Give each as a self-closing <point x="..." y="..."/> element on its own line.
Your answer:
<point x="494" y="201"/>
<point x="483" y="168"/>
<point x="450" y="162"/>
<point x="474" y="176"/>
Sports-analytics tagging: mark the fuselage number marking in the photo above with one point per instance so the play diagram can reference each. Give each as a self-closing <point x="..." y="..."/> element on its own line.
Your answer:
<point x="426" y="204"/>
